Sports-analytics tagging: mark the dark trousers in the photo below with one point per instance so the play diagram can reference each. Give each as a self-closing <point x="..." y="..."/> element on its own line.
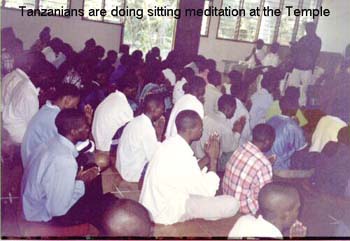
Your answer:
<point x="89" y="208"/>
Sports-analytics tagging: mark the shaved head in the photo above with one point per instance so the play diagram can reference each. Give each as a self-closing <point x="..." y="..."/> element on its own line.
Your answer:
<point x="279" y="201"/>
<point x="186" y="120"/>
<point x="126" y="218"/>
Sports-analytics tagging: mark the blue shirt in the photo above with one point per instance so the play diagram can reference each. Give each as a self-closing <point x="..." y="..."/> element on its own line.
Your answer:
<point x="49" y="187"/>
<point x="40" y="129"/>
<point x="289" y="139"/>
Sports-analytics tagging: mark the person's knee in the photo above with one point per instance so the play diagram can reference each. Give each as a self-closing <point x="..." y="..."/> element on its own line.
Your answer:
<point x="231" y="204"/>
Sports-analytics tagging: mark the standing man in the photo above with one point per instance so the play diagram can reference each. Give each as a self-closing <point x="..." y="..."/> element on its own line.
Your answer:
<point x="305" y="54"/>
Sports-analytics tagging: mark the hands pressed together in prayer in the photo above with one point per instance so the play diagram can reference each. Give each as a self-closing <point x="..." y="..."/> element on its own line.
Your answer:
<point x="88" y="113"/>
<point x="212" y="150"/>
<point x="88" y="175"/>
<point x="239" y="125"/>
<point x="159" y="126"/>
<point x="298" y="229"/>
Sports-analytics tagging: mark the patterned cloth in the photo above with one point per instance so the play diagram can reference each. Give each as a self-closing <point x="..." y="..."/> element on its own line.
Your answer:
<point x="246" y="173"/>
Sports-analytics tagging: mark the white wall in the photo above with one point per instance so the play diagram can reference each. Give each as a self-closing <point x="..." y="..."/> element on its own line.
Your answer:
<point x="334" y="31"/>
<point x="72" y="30"/>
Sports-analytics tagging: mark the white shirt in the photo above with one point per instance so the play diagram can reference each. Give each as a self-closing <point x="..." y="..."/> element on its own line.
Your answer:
<point x="326" y="130"/>
<point x="211" y="97"/>
<point x="178" y="91"/>
<point x="19" y="103"/>
<point x="229" y="140"/>
<point x="246" y="134"/>
<point x="172" y="176"/>
<point x="271" y="59"/>
<point x="186" y="102"/>
<point x="111" y="114"/>
<point x="136" y="147"/>
<point x="169" y="74"/>
<point x="251" y="227"/>
<point x="50" y="55"/>
<point x="49" y="187"/>
<point x="261" y="102"/>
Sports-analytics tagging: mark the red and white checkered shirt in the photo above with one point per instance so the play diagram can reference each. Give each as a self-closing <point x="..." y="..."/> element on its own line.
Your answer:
<point x="246" y="173"/>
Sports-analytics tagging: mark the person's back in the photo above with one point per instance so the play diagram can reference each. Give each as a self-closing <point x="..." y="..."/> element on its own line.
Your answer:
<point x="111" y="114"/>
<point x="326" y="130"/>
<point x="249" y="170"/>
<point x="20" y="103"/>
<point x="48" y="164"/>
<point x="40" y="129"/>
<point x="289" y="139"/>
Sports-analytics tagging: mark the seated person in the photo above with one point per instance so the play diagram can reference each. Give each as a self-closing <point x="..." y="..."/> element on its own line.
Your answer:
<point x="126" y="218"/>
<point x="176" y="188"/>
<point x="262" y="100"/>
<point x="249" y="169"/>
<point x="192" y="100"/>
<point x="275" y="108"/>
<point x="178" y="91"/>
<point x="332" y="167"/>
<point x="140" y="139"/>
<point x="53" y="186"/>
<point x="110" y="115"/>
<point x="326" y="130"/>
<point x="240" y="92"/>
<point x="279" y="206"/>
<point x="42" y="126"/>
<point x="289" y="136"/>
<point x="212" y="93"/>
<point x="219" y="123"/>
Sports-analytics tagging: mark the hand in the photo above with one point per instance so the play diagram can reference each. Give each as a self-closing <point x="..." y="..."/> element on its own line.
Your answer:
<point x="272" y="158"/>
<point x="212" y="150"/>
<point x="159" y="126"/>
<point x="297" y="230"/>
<point x="88" y="175"/>
<point x="238" y="126"/>
<point x="88" y="113"/>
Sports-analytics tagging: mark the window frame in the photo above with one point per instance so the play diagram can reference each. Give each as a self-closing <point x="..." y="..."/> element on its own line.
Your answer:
<point x="103" y="21"/>
<point x="277" y="27"/>
<point x="36" y="6"/>
<point x="206" y="35"/>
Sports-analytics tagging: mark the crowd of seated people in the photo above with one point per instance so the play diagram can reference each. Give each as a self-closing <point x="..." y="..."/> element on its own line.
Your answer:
<point x="198" y="146"/>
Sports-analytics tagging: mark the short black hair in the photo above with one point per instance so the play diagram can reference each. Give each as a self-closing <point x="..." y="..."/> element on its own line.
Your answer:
<point x="156" y="98"/>
<point x="288" y="103"/>
<point x="68" y="120"/>
<point x="194" y="83"/>
<point x="186" y="120"/>
<point x="235" y="76"/>
<point x="214" y="77"/>
<point x="226" y="100"/>
<point x="263" y="132"/>
<point x="64" y="89"/>
<point x="131" y="217"/>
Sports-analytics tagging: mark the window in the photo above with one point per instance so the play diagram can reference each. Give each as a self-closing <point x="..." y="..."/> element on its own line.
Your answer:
<point x="206" y="19"/>
<point x="31" y="4"/>
<point x="150" y="31"/>
<point x="108" y="5"/>
<point x="283" y="29"/>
